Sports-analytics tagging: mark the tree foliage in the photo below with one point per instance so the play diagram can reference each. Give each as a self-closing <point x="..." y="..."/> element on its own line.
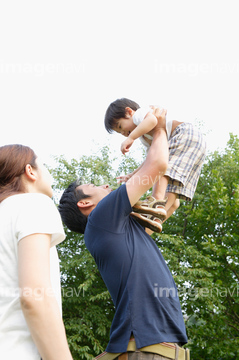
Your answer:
<point x="199" y="243"/>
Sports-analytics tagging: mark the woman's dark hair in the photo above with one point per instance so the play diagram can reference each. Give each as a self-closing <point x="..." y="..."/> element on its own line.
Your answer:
<point x="70" y="213"/>
<point x="116" y="111"/>
<point x="13" y="160"/>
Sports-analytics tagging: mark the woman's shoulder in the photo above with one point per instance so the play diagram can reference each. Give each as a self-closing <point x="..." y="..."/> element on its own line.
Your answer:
<point x="23" y="197"/>
<point x="34" y="201"/>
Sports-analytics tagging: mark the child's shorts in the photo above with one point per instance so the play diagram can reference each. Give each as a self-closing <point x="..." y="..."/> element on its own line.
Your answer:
<point x="187" y="151"/>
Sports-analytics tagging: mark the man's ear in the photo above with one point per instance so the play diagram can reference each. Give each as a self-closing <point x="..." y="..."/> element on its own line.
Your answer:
<point x="84" y="204"/>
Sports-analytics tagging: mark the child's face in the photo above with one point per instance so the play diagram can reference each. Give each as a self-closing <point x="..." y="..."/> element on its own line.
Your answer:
<point x="125" y="125"/>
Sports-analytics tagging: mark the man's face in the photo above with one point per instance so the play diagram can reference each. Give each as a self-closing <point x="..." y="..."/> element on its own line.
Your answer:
<point x="96" y="193"/>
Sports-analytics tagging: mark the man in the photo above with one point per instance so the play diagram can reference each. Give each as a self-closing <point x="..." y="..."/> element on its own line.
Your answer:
<point x="148" y="318"/>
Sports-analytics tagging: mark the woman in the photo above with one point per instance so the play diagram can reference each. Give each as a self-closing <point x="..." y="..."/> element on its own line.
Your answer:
<point x="31" y="325"/>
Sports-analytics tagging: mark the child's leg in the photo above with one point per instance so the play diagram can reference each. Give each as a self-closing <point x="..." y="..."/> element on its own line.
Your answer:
<point x="172" y="204"/>
<point x="159" y="188"/>
<point x="159" y="193"/>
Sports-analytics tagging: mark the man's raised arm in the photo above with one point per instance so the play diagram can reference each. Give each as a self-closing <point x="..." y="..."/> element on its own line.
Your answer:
<point x="154" y="166"/>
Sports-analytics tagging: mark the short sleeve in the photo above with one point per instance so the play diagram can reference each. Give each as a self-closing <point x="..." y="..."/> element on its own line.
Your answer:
<point x="138" y="117"/>
<point x="140" y="114"/>
<point x="112" y="212"/>
<point x="39" y="215"/>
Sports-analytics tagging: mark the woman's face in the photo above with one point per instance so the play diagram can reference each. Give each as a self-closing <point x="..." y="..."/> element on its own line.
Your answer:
<point x="44" y="181"/>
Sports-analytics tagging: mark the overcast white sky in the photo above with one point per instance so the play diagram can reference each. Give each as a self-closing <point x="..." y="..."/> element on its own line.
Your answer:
<point x="63" y="62"/>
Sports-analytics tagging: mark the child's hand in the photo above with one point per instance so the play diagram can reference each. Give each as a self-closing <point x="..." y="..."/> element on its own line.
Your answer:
<point x="126" y="145"/>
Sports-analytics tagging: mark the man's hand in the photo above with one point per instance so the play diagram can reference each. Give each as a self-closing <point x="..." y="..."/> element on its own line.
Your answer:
<point x="126" y="145"/>
<point x="123" y="178"/>
<point x="160" y="114"/>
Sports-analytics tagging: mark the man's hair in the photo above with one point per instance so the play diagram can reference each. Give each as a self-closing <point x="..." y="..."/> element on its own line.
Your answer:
<point x="116" y="111"/>
<point x="71" y="215"/>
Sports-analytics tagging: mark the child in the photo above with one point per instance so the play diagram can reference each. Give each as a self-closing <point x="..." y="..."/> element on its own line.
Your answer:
<point x="187" y="150"/>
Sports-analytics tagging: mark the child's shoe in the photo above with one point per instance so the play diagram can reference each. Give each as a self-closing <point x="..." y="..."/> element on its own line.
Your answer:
<point x="147" y="222"/>
<point x="153" y="207"/>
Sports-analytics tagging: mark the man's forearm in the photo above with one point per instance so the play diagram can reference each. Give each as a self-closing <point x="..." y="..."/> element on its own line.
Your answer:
<point x="135" y="171"/>
<point x="153" y="168"/>
<point x="158" y="152"/>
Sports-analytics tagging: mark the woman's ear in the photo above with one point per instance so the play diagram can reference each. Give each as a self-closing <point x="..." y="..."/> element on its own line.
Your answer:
<point x="30" y="172"/>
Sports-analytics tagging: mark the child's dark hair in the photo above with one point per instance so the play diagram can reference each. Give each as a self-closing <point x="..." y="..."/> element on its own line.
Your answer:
<point x="116" y="111"/>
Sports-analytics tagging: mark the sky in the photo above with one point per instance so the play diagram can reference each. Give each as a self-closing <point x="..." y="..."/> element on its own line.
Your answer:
<point x="63" y="62"/>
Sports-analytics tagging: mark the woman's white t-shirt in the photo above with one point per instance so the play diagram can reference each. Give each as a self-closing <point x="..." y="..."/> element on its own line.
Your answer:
<point x="22" y="215"/>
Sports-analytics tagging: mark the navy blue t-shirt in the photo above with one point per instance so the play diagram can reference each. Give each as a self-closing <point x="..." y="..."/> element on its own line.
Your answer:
<point x="136" y="275"/>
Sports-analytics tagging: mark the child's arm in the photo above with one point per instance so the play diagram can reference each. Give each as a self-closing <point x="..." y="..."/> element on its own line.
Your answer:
<point x="144" y="127"/>
<point x="147" y="125"/>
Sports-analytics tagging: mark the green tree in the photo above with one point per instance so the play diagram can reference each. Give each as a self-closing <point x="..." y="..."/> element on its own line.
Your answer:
<point x="199" y="243"/>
